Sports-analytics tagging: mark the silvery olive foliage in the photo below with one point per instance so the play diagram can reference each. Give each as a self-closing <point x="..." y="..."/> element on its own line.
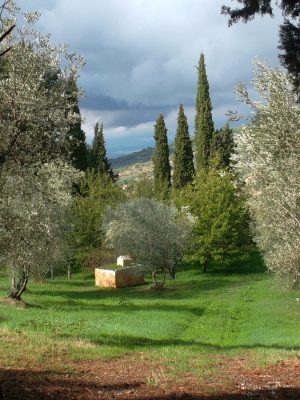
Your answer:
<point x="36" y="111"/>
<point x="36" y="104"/>
<point x="152" y="233"/>
<point x="268" y="161"/>
<point x="33" y="223"/>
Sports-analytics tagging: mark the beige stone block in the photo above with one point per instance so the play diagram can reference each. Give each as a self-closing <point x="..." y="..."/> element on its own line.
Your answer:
<point x="105" y="277"/>
<point x="130" y="276"/>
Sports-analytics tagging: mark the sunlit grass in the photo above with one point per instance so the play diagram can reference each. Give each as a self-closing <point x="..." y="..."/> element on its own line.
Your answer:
<point x="234" y="309"/>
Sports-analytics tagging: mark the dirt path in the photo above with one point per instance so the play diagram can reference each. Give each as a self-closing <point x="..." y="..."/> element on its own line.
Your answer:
<point x="128" y="378"/>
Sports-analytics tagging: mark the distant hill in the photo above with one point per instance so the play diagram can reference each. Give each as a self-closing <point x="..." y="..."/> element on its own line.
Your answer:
<point x="137" y="157"/>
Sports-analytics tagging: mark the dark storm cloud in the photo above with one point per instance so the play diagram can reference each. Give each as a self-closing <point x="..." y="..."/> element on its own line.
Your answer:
<point x="141" y="57"/>
<point x="99" y="101"/>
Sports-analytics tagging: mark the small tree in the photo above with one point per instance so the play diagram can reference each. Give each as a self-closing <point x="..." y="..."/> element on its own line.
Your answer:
<point x="183" y="155"/>
<point x="152" y="233"/>
<point x="142" y="187"/>
<point x="161" y="163"/>
<point x="220" y="225"/>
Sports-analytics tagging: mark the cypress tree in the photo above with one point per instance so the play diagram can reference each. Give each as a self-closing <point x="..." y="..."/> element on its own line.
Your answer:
<point x="98" y="157"/>
<point x="222" y="146"/>
<point x="161" y="164"/>
<point x="183" y="155"/>
<point x="78" y="149"/>
<point x="204" y="126"/>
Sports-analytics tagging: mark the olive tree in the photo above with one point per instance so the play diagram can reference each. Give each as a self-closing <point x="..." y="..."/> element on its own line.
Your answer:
<point x="268" y="161"/>
<point x="152" y="233"/>
<point x="36" y="103"/>
<point x="36" y="112"/>
<point x="33" y="225"/>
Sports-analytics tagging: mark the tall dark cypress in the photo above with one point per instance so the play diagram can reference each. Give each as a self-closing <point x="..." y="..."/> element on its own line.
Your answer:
<point x="204" y="126"/>
<point x="99" y="159"/>
<point x="161" y="163"/>
<point x="78" y="149"/>
<point x="183" y="156"/>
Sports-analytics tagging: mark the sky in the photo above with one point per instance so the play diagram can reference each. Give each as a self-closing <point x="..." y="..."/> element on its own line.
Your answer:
<point x="141" y="58"/>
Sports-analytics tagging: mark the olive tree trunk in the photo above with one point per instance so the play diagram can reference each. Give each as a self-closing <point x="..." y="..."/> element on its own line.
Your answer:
<point x="156" y="283"/>
<point x="18" y="285"/>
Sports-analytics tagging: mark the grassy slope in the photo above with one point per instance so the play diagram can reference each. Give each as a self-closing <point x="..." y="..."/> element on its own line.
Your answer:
<point x="197" y="318"/>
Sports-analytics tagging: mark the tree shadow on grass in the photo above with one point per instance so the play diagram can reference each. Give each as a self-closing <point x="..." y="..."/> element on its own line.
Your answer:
<point x="32" y="384"/>
<point x="248" y="263"/>
<point x="174" y="290"/>
<point x="259" y="394"/>
<point x="134" y="342"/>
<point x="127" y="307"/>
<point x="49" y="385"/>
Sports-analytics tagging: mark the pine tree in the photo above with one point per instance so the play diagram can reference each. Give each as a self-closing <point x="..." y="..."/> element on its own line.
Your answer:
<point x="183" y="155"/>
<point x="161" y="164"/>
<point x="99" y="159"/>
<point x="204" y="126"/>
<point x="222" y="146"/>
<point x="78" y="149"/>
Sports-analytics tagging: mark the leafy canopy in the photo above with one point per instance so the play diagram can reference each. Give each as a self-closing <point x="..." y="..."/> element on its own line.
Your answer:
<point x="152" y="233"/>
<point x="268" y="161"/>
<point x="220" y="222"/>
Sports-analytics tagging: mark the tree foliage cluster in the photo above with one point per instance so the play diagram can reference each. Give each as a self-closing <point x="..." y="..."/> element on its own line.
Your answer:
<point x="37" y="101"/>
<point x="33" y="219"/>
<point x="220" y="226"/>
<point x="96" y="192"/>
<point x="212" y="147"/>
<point x="37" y="110"/>
<point x="154" y="234"/>
<point x="267" y="160"/>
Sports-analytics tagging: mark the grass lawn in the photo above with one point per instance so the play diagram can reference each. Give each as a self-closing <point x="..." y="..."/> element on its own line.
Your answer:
<point x="235" y="310"/>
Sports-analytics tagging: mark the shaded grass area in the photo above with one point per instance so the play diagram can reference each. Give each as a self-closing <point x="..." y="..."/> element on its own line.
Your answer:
<point x="235" y="309"/>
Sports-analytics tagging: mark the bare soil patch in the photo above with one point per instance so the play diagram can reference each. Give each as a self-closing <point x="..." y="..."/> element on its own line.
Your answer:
<point x="138" y="378"/>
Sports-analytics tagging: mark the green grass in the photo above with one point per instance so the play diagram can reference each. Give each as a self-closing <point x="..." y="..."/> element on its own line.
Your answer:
<point x="235" y="309"/>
